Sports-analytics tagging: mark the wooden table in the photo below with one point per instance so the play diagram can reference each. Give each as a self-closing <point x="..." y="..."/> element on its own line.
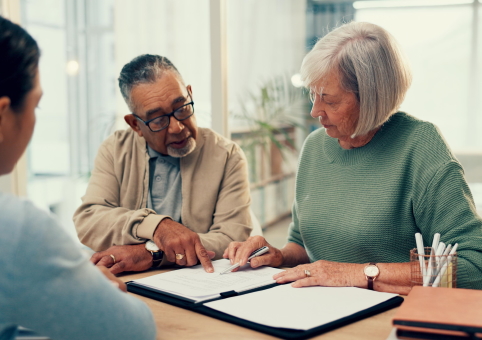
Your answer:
<point x="177" y="323"/>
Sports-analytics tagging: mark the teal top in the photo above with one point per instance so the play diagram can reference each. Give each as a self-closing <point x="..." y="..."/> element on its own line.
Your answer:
<point x="366" y="204"/>
<point x="48" y="284"/>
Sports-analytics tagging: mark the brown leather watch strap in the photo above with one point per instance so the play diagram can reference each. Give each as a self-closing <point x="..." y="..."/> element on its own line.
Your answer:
<point x="371" y="279"/>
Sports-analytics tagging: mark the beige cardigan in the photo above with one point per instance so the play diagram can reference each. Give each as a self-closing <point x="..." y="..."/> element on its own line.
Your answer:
<point x="215" y="193"/>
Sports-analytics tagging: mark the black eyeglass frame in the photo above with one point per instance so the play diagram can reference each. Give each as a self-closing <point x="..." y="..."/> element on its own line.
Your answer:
<point x="169" y="115"/>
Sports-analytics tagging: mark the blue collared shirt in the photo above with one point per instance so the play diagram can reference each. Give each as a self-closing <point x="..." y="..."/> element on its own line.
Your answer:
<point x="165" y="185"/>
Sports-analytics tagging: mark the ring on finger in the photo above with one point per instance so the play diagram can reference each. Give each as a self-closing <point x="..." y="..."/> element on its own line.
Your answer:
<point x="307" y="273"/>
<point x="179" y="256"/>
<point x="113" y="258"/>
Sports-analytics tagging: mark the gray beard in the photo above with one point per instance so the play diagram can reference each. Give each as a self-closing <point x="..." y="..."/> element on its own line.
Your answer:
<point x="179" y="153"/>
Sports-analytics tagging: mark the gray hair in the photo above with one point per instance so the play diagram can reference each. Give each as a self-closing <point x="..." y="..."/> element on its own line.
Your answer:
<point x="370" y="64"/>
<point x="143" y="69"/>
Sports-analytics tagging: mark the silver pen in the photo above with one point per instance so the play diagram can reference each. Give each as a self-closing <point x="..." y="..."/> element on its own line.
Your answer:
<point x="255" y="253"/>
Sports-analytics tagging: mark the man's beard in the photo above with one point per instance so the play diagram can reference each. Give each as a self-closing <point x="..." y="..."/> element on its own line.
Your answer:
<point x="178" y="153"/>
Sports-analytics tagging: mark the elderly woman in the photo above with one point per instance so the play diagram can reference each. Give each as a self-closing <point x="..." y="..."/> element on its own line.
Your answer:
<point x="371" y="178"/>
<point x="47" y="283"/>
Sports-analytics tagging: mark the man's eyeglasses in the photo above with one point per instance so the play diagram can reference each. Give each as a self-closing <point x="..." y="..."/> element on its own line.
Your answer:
<point x="162" y="122"/>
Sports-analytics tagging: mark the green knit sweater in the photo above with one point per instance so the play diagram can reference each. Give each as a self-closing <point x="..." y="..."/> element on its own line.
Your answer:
<point x="366" y="204"/>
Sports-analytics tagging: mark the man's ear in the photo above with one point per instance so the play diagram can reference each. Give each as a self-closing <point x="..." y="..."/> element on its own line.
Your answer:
<point x="133" y="123"/>
<point x="4" y="110"/>
<point x="189" y="89"/>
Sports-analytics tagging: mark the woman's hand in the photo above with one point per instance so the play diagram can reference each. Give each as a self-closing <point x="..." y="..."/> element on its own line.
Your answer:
<point x="238" y="252"/>
<point x="324" y="273"/>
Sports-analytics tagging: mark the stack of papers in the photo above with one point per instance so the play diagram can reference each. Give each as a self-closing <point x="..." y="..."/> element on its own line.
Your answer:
<point x="194" y="284"/>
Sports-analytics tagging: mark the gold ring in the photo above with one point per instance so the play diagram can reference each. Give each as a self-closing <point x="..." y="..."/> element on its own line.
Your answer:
<point x="307" y="273"/>
<point x="179" y="256"/>
<point x="113" y="258"/>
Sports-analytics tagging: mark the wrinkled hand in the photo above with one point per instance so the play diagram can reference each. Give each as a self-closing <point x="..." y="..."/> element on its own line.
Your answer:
<point x="127" y="258"/>
<point x="323" y="273"/>
<point x="115" y="281"/>
<point x="174" y="238"/>
<point x="238" y="252"/>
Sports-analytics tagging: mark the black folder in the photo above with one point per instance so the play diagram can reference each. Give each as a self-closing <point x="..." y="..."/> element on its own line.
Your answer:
<point x="417" y="335"/>
<point x="284" y="333"/>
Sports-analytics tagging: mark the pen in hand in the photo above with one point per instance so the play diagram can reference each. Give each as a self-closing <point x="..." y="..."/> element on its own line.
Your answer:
<point x="255" y="253"/>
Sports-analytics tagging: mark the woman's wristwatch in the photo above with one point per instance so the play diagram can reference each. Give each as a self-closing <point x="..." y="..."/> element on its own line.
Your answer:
<point x="371" y="273"/>
<point x="157" y="254"/>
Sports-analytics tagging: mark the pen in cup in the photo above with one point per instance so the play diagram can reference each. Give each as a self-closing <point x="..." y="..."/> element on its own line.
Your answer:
<point x="431" y="263"/>
<point x="436" y="258"/>
<point x="421" y="255"/>
<point x="441" y="264"/>
<point x="438" y="263"/>
<point x="255" y="253"/>
<point x="445" y="265"/>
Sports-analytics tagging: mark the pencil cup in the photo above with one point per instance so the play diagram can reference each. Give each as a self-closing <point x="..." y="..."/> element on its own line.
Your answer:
<point x="433" y="270"/>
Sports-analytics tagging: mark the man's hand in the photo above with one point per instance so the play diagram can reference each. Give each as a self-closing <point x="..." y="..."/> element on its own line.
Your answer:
<point x="115" y="281"/>
<point x="174" y="238"/>
<point x="127" y="258"/>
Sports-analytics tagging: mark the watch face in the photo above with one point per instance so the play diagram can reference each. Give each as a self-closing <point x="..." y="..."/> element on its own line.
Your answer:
<point x="151" y="246"/>
<point x="371" y="271"/>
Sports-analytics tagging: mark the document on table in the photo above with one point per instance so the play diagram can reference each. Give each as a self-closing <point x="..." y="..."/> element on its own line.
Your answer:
<point x="195" y="284"/>
<point x="299" y="308"/>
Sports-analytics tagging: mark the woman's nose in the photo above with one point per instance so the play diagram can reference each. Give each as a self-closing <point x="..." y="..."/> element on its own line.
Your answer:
<point x="314" y="113"/>
<point x="317" y="110"/>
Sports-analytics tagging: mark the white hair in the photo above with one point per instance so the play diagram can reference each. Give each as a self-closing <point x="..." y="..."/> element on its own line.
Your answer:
<point x="370" y="64"/>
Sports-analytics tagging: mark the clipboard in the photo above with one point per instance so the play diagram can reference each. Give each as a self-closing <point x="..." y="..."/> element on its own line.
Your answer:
<point x="182" y="302"/>
<point x="284" y="333"/>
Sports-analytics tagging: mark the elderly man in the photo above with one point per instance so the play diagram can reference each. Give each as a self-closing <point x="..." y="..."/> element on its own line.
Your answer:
<point x="163" y="191"/>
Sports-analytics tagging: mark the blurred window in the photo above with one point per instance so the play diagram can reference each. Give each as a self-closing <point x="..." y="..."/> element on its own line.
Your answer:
<point x="443" y="42"/>
<point x="84" y="44"/>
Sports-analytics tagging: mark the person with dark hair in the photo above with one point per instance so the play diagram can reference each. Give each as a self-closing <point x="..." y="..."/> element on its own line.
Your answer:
<point x="163" y="191"/>
<point x="47" y="282"/>
<point x="19" y="60"/>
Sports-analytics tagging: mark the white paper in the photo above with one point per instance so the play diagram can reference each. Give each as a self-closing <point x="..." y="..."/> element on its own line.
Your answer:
<point x="299" y="308"/>
<point x="194" y="283"/>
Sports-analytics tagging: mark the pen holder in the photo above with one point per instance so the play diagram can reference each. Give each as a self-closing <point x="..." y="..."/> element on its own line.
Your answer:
<point x="437" y="271"/>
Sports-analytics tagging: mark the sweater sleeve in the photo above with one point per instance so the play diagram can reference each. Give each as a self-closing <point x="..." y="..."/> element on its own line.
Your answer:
<point x="232" y="219"/>
<point x="294" y="234"/>
<point x="447" y="207"/>
<point x="60" y="294"/>
<point x="100" y="221"/>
